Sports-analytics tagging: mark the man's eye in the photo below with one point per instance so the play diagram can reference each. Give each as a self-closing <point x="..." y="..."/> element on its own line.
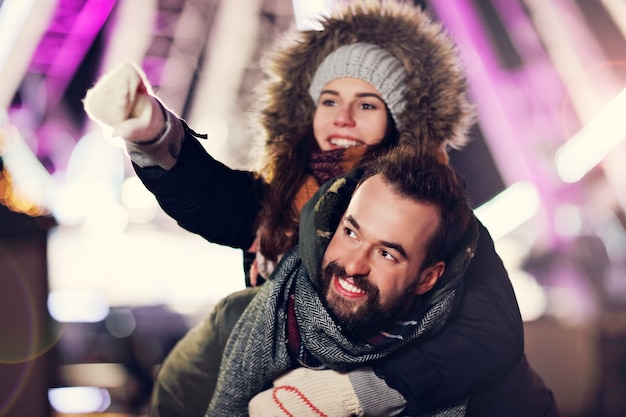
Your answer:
<point x="387" y="255"/>
<point x="350" y="233"/>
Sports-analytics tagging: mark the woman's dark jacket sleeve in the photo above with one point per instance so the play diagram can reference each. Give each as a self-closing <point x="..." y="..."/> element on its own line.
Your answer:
<point x="206" y="197"/>
<point x="484" y="340"/>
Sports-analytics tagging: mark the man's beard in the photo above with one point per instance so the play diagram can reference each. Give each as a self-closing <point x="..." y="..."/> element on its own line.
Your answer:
<point x="366" y="318"/>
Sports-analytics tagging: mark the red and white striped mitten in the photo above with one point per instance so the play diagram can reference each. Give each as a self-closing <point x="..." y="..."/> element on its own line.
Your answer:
<point x="307" y="392"/>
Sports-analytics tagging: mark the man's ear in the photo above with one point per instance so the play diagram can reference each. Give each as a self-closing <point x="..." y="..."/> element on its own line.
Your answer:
<point x="429" y="276"/>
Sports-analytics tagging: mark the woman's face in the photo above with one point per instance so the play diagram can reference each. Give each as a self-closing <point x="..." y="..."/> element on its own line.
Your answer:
<point x="350" y="112"/>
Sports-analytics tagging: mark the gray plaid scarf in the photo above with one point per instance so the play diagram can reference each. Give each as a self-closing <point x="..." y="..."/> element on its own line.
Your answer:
<point x="256" y="352"/>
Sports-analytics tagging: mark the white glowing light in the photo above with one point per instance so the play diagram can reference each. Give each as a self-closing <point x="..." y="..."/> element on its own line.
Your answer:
<point x="135" y="195"/>
<point x="70" y="400"/>
<point x="593" y="142"/>
<point x="142" y="205"/>
<point x="13" y="16"/>
<point x="69" y="204"/>
<point x="531" y="297"/>
<point x="77" y="306"/>
<point x="509" y="209"/>
<point x="106" y="219"/>
<point x="568" y="220"/>
<point x="308" y="12"/>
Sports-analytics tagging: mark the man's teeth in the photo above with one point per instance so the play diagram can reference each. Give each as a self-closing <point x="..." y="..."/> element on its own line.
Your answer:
<point x="344" y="143"/>
<point x="349" y="287"/>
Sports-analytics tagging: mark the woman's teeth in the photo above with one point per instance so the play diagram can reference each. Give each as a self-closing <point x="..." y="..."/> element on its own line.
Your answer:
<point x="345" y="143"/>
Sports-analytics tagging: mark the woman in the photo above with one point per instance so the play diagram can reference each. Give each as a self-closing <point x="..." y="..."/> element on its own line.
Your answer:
<point x="426" y="100"/>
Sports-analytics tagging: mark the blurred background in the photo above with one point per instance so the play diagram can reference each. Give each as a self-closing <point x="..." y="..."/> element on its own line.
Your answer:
<point x="97" y="283"/>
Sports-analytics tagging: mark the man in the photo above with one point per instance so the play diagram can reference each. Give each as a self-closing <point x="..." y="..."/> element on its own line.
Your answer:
<point x="389" y="275"/>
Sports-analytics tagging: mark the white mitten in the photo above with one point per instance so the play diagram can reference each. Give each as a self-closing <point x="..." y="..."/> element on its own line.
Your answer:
<point x="307" y="392"/>
<point x="122" y="100"/>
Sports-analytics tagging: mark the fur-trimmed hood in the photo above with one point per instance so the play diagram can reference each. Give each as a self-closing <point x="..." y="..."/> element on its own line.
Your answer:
<point x="437" y="111"/>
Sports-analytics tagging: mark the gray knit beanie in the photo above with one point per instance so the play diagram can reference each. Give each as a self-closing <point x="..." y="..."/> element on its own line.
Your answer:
<point x="367" y="62"/>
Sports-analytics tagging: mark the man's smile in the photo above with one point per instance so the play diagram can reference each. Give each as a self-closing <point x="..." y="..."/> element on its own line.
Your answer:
<point x="347" y="288"/>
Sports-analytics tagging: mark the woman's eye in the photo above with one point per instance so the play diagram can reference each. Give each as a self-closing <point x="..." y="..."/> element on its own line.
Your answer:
<point x="368" y="106"/>
<point x="328" y="103"/>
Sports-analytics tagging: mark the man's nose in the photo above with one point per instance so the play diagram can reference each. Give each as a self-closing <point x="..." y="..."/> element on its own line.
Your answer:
<point x="357" y="263"/>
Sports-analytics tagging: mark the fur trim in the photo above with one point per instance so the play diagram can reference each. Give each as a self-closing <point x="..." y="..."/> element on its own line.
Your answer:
<point x="437" y="113"/>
